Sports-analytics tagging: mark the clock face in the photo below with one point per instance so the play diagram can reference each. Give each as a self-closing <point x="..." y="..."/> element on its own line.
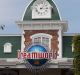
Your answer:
<point x="41" y="9"/>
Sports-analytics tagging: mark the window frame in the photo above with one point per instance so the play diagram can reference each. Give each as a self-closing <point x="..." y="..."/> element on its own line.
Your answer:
<point x="41" y="35"/>
<point x="7" y="47"/>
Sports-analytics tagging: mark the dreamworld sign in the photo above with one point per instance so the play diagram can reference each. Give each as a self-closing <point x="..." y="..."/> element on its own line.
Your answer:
<point x="37" y="55"/>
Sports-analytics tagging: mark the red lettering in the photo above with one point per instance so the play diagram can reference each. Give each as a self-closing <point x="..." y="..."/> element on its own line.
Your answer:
<point x="38" y="55"/>
<point x="51" y="55"/>
<point x="24" y="55"/>
<point x="46" y="55"/>
<point x="28" y="56"/>
<point x="34" y="55"/>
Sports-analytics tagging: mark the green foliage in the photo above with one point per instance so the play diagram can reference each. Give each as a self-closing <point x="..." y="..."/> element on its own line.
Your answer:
<point x="76" y="62"/>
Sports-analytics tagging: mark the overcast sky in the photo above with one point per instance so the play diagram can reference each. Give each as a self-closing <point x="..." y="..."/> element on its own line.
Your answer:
<point x="12" y="10"/>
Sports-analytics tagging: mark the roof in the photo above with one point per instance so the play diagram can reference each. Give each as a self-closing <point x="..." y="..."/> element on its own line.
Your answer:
<point x="16" y="45"/>
<point x="55" y="13"/>
<point x="10" y="35"/>
<point x="64" y="34"/>
<point x="70" y="34"/>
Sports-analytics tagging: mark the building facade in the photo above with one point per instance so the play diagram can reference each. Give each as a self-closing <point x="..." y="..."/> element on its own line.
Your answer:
<point x="41" y="24"/>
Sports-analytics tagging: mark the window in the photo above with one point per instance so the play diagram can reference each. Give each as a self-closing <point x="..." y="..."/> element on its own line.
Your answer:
<point x="37" y="40"/>
<point x="45" y="41"/>
<point x="7" y="48"/>
<point x="72" y="47"/>
<point x="42" y="38"/>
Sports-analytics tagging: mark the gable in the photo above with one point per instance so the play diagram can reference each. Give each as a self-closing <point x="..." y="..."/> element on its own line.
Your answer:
<point x="28" y="13"/>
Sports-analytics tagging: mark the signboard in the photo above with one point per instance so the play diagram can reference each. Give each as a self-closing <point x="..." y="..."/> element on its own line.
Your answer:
<point x="37" y="55"/>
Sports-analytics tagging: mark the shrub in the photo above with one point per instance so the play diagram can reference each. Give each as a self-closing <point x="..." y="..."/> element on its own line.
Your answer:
<point x="76" y="61"/>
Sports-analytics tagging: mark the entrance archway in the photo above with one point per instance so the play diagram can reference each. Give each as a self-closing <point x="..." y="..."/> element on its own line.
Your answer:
<point x="9" y="72"/>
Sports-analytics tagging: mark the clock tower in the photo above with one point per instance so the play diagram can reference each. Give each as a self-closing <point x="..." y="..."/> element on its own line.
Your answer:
<point x="41" y="9"/>
<point x="41" y="23"/>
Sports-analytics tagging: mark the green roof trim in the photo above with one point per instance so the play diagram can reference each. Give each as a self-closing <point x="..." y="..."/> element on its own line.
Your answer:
<point x="55" y="13"/>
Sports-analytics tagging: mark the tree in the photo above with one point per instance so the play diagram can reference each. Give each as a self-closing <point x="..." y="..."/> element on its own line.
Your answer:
<point x="76" y="61"/>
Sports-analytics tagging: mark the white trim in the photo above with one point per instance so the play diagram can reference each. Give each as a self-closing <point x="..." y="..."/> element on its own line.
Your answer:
<point x="10" y="34"/>
<point x="41" y="35"/>
<point x="50" y="43"/>
<point x="11" y="60"/>
<point x="43" y="25"/>
<point x="26" y="9"/>
<point x="70" y="34"/>
<point x="60" y="44"/>
<point x="22" y="41"/>
<point x="64" y="34"/>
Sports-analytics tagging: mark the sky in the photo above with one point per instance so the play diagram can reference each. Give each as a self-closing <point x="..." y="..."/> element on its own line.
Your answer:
<point x="12" y="10"/>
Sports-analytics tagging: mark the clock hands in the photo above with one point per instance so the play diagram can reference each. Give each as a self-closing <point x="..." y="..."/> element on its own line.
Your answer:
<point x="41" y="8"/>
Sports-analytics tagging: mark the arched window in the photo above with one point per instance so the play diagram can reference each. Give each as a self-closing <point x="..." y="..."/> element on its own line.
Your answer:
<point x="42" y="38"/>
<point x="7" y="48"/>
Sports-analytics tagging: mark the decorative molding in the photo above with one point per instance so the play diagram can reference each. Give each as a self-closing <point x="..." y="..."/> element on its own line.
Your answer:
<point x="43" y="25"/>
<point x="59" y="63"/>
<point x="10" y="34"/>
<point x="41" y="35"/>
